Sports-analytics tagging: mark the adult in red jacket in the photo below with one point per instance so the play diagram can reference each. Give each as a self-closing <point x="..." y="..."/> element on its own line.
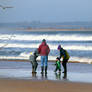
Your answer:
<point x="44" y="51"/>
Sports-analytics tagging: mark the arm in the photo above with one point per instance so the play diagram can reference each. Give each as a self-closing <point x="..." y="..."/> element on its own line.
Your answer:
<point x="48" y="51"/>
<point x="39" y="49"/>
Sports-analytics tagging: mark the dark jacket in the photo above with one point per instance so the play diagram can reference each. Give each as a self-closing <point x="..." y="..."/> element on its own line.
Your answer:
<point x="43" y="49"/>
<point x="64" y="54"/>
<point x="33" y="57"/>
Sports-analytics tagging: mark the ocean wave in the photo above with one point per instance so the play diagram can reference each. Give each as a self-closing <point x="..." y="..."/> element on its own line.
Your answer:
<point x="52" y="41"/>
<point x="52" y="46"/>
<point x="48" y="37"/>
<point x="18" y="46"/>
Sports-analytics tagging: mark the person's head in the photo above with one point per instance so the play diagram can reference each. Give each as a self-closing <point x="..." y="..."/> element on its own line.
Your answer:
<point x="57" y="58"/>
<point x="43" y="40"/>
<point x="36" y="52"/>
<point x="59" y="47"/>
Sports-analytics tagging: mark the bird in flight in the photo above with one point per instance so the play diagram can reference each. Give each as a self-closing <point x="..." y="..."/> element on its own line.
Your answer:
<point x="4" y="7"/>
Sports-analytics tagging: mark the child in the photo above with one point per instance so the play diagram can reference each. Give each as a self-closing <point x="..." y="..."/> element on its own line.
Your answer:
<point x="33" y="61"/>
<point x="58" y="65"/>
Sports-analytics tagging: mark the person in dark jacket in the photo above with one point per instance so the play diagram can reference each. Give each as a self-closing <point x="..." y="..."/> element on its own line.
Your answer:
<point x="33" y="61"/>
<point x="64" y="54"/>
<point x="44" y="51"/>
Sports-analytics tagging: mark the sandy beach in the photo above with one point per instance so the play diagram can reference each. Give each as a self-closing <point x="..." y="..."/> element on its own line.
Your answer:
<point x="9" y="85"/>
<point x="27" y="27"/>
<point x="17" y="77"/>
<point x="51" y="29"/>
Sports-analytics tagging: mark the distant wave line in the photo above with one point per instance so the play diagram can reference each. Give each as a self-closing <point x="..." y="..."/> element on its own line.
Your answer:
<point x="37" y="41"/>
<point x="56" y="37"/>
<point x="52" y="46"/>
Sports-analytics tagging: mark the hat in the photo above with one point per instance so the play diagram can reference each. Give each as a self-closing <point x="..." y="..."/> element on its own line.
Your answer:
<point x="58" y="58"/>
<point x="59" y="47"/>
<point x="31" y="53"/>
<point x="43" y="40"/>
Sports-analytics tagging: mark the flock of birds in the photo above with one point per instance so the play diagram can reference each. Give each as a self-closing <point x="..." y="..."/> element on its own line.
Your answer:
<point x="5" y="7"/>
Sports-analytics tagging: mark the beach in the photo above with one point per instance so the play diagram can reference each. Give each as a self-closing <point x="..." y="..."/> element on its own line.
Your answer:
<point x="16" y="76"/>
<point x="25" y="25"/>
<point x="16" y="71"/>
<point x="9" y="85"/>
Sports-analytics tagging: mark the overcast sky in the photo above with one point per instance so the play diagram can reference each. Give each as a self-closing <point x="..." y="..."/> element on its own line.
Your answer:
<point x="46" y="10"/>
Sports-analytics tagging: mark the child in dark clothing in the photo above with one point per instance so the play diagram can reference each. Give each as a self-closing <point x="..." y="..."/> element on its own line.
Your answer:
<point x="58" y="65"/>
<point x="33" y="61"/>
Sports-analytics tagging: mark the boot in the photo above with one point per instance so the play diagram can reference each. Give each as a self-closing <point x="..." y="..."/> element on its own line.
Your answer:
<point x="32" y="69"/>
<point x="42" y="69"/>
<point x="45" y="69"/>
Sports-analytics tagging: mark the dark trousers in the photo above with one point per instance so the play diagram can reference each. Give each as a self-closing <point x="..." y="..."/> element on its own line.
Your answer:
<point x="34" y="67"/>
<point x="57" y="68"/>
<point x="64" y="63"/>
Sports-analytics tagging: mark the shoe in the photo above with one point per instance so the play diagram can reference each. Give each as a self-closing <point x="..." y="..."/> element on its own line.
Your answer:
<point x="64" y="72"/>
<point x="42" y="72"/>
<point x="35" y="72"/>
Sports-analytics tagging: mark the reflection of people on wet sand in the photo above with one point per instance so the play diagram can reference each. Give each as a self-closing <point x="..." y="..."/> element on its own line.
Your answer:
<point x="44" y="51"/>
<point x="64" y="54"/>
<point x="34" y="75"/>
<point x="58" y="65"/>
<point x="58" y="75"/>
<point x="33" y="61"/>
<point x="44" y="76"/>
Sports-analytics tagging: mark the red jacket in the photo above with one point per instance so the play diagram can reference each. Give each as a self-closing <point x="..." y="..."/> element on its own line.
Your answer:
<point x="44" y="49"/>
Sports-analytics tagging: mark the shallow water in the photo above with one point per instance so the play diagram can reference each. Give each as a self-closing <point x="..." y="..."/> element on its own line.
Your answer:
<point x="77" y="72"/>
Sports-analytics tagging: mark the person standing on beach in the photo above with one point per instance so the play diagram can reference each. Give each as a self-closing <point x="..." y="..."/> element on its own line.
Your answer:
<point x="44" y="51"/>
<point x="64" y="54"/>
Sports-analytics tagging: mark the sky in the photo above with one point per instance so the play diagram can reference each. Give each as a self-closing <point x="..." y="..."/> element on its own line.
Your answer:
<point x="46" y="10"/>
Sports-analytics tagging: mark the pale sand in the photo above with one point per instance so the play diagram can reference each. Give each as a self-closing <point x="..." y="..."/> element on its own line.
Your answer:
<point x="51" y="29"/>
<point x="11" y="85"/>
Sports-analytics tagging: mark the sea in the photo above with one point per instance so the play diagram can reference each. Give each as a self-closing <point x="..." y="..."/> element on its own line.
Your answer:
<point x="17" y="44"/>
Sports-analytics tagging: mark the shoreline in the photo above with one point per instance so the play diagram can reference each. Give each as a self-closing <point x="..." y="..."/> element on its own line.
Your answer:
<point x="52" y="29"/>
<point x="47" y="29"/>
<point x="26" y="60"/>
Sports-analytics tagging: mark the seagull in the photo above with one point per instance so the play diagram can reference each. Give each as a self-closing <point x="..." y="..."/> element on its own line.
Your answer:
<point x="4" y="7"/>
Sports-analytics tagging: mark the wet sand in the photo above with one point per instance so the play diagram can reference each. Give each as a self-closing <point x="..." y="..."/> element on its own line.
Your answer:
<point x="17" y="77"/>
<point x="9" y="85"/>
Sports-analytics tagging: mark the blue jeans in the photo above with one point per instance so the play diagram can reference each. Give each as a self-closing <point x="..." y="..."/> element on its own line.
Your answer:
<point x="44" y="59"/>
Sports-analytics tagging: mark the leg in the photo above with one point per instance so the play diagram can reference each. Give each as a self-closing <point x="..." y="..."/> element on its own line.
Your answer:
<point x="36" y="64"/>
<point x="46" y="64"/>
<point x="55" y="69"/>
<point x="65" y="65"/>
<point x="59" y="70"/>
<point x="32" y="67"/>
<point x="45" y="69"/>
<point x="42" y="61"/>
<point x="42" y="64"/>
